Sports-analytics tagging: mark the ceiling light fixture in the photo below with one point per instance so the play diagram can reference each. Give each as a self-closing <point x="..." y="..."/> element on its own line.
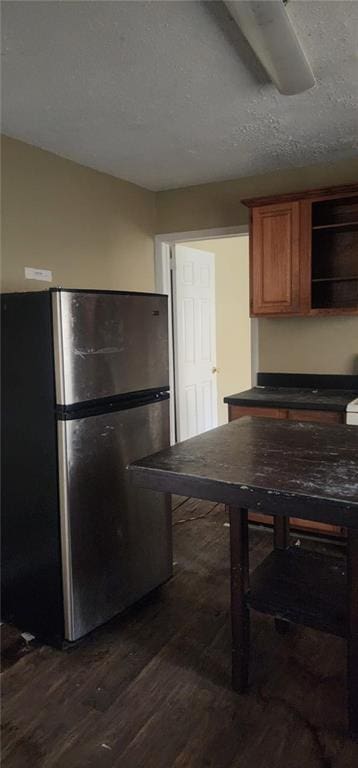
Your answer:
<point x="268" y="29"/>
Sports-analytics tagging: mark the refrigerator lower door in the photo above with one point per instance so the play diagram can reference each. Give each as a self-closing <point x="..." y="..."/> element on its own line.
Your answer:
<point x="116" y="538"/>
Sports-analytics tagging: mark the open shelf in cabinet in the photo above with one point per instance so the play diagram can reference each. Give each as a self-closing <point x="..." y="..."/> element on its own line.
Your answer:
<point x="335" y="254"/>
<point x="332" y="279"/>
<point x="343" y="225"/>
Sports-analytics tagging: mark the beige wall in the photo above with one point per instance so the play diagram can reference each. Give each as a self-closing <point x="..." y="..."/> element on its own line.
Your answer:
<point x="93" y="230"/>
<point x="321" y="345"/>
<point x="90" y="229"/>
<point x="232" y="315"/>
<point x="309" y="345"/>
<point x="218" y="204"/>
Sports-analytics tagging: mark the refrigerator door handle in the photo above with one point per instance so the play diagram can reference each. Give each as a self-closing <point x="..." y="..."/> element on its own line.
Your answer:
<point x="57" y="324"/>
<point x="65" y="533"/>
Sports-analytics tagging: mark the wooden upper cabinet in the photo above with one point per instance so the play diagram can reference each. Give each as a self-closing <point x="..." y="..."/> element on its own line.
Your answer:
<point x="304" y="253"/>
<point x="275" y="259"/>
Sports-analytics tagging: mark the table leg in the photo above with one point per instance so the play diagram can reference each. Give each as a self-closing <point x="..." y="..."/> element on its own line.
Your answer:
<point x="281" y="532"/>
<point x="352" y="649"/>
<point x="240" y="615"/>
<point x="281" y="537"/>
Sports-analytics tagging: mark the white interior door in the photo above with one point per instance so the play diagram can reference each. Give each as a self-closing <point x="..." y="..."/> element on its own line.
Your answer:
<point x="194" y="341"/>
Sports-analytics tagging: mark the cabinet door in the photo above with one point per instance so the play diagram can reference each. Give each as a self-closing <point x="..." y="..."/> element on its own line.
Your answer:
<point x="275" y="259"/>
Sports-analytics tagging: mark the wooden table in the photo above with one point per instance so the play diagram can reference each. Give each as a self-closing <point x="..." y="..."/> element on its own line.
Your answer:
<point x="300" y="469"/>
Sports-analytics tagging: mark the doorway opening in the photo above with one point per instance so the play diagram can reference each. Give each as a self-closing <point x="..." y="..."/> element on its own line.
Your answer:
<point x="213" y="344"/>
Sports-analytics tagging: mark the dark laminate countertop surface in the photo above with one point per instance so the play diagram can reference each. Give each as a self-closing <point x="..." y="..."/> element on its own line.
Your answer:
<point x="294" y="397"/>
<point x="305" y="468"/>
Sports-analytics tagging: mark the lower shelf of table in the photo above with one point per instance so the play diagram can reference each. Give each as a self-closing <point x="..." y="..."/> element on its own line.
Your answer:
<point x="303" y="587"/>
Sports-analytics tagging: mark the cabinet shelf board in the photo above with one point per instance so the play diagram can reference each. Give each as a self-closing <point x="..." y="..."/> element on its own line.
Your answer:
<point x="335" y="225"/>
<point x="315" y="310"/>
<point x="333" y="279"/>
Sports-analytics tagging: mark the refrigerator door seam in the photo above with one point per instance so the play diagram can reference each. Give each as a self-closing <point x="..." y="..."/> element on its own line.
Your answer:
<point x="66" y="549"/>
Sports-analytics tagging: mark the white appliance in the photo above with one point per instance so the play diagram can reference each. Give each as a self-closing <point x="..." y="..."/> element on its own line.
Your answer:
<point x="352" y="412"/>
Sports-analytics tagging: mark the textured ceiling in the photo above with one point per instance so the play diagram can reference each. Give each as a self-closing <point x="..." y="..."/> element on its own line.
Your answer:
<point x="167" y="94"/>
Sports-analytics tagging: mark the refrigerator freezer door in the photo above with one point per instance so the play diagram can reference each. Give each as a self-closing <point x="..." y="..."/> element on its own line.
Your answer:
<point x="108" y="344"/>
<point x="116" y="538"/>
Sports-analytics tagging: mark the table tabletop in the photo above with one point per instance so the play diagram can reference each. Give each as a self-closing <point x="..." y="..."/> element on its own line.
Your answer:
<point x="305" y="469"/>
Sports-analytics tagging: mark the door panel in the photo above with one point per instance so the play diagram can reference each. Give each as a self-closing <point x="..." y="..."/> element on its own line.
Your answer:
<point x="275" y="256"/>
<point x="116" y="538"/>
<point x="194" y="341"/>
<point x="109" y="344"/>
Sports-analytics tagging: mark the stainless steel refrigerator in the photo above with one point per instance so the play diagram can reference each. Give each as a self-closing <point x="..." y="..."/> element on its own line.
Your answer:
<point x="85" y="390"/>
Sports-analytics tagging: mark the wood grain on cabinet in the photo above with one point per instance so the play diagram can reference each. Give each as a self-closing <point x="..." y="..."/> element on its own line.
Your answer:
<point x="328" y="417"/>
<point x="322" y="193"/>
<point x="305" y="277"/>
<point x="275" y="259"/>
<point x="236" y="411"/>
<point x="303" y="253"/>
<point x="313" y="527"/>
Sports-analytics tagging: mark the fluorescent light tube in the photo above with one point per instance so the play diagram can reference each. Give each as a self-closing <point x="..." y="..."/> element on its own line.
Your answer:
<point x="268" y="29"/>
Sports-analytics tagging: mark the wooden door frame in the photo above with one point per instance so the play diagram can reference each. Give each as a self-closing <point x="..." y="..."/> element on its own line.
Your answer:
<point x="163" y="245"/>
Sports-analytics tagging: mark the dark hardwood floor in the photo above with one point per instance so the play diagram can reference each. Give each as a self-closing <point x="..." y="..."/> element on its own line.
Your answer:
<point x="151" y="689"/>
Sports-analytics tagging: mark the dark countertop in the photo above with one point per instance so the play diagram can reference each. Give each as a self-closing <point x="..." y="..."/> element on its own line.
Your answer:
<point x="294" y="397"/>
<point x="295" y="468"/>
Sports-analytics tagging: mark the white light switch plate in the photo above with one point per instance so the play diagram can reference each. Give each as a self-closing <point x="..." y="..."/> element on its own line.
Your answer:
<point x="31" y="273"/>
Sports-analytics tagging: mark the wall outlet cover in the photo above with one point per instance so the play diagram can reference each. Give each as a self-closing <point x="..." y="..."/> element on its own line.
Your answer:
<point x="31" y="273"/>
